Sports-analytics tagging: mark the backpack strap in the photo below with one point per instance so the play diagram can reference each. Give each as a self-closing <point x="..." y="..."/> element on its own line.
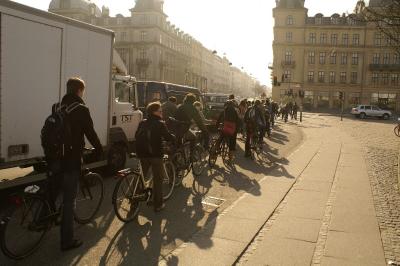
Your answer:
<point x="70" y="108"/>
<point x="56" y="107"/>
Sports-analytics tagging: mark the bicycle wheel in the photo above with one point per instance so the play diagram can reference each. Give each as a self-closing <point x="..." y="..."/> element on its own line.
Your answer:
<point x="24" y="226"/>
<point x="181" y="170"/>
<point x="225" y="152"/>
<point x="89" y="198"/>
<point x="213" y="154"/>
<point x="126" y="197"/>
<point x="198" y="159"/>
<point x="397" y="130"/>
<point x="168" y="180"/>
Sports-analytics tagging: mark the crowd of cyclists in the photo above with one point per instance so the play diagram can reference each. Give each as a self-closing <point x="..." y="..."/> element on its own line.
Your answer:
<point x="63" y="143"/>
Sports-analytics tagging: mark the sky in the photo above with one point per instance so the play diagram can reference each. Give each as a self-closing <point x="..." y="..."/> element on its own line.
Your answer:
<point x="241" y="29"/>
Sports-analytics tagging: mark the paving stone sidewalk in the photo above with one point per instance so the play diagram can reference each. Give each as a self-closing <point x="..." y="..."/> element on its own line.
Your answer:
<point x="315" y="209"/>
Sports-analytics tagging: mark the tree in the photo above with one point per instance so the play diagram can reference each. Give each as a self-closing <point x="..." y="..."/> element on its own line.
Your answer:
<point x="385" y="14"/>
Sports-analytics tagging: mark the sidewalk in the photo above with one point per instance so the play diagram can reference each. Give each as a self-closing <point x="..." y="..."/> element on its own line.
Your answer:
<point x="316" y="208"/>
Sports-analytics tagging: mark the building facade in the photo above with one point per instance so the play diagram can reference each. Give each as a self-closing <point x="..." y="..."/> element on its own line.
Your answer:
<point x="154" y="49"/>
<point x="327" y="55"/>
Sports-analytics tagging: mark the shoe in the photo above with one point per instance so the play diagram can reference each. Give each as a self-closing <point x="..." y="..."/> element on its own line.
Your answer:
<point x="158" y="209"/>
<point x="76" y="243"/>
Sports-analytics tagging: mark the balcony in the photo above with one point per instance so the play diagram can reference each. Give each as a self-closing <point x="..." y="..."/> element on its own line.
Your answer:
<point x="384" y="67"/>
<point x="288" y="64"/>
<point x="143" y="62"/>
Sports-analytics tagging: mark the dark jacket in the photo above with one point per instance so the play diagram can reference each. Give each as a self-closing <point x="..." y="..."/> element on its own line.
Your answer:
<point x="81" y="125"/>
<point x="169" y="109"/>
<point x="229" y="114"/>
<point x="186" y="113"/>
<point x="158" y="132"/>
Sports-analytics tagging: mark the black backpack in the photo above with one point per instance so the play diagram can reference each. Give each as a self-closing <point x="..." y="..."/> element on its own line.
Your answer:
<point x="143" y="139"/>
<point x="56" y="133"/>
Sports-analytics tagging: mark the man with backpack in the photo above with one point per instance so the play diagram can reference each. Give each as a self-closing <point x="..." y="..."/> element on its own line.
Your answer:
<point x="149" y="137"/>
<point x="63" y="141"/>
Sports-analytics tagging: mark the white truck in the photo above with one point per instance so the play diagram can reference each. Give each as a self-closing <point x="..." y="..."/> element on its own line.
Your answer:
<point x="39" y="51"/>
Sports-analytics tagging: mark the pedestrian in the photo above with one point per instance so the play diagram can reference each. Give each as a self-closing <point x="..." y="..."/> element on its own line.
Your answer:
<point x="80" y="124"/>
<point x="149" y="137"/>
<point x="295" y="110"/>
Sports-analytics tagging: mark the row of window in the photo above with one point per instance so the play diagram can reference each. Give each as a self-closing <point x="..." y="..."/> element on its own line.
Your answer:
<point x="323" y="38"/>
<point x="322" y="77"/>
<point x="319" y="20"/>
<point x="385" y="78"/>
<point x="376" y="58"/>
<point x="323" y="56"/>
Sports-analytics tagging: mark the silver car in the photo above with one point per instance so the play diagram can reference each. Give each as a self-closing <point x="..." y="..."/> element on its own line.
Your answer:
<point x="363" y="111"/>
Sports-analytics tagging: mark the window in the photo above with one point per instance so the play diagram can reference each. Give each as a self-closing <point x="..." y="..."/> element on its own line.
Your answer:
<point x="142" y="53"/>
<point x="343" y="77"/>
<point x="345" y="39"/>
<point x="310" y="76"/>
<point x="143" y="35"/>
<point x="343" y="59"/>
<point x="385" y="78"/>
<point x="288" y="57"/>
<point x="289" y="36"/>
<point x="335" y="20"/>
<point x="311" y="57"/>
<point x="384" y="100"/>
<point x="356" y="39"/>
<point x="123" y="92"/>
<point x="318" y="20"/>
<point x="321" y="76"/>
<point x="395" y="79"/>
<point x="332" y="77"/>
<point x="396" y="59"/>
<point x="354" y="59"/>
<point x="123" y="36"/>
<point x="376" y="59"/>
<point x="289" y="20"/>
<point x="312" y="37"/>
<point x="322" y="57"/>
<point x="334" y="38"/>
<point x="287" y="75"/>
<point x="375" y="78"/>
<point x="388" y="41"/>
<point x="323" y="38"/>
<point x="386" y="58"/>
<point x="378" y="39"/>
<point x="333" y="58"/>
<point x="142" y="74"/>
<point x="354" y="77"/>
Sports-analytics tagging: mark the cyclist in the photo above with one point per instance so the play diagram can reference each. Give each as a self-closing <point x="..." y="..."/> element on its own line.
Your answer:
<point x="253" y="118"/>
<point x="230" y="117"/>
<point x="149" y="138"/>
<point x="81" y="125"/>
<point x="185" y="114"/>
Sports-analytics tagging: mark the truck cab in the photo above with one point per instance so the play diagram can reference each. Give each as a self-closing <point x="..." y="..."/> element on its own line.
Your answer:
<point x="124" y="119"/>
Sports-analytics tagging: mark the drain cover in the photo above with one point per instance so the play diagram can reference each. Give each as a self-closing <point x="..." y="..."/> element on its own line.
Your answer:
<point x="212" y="202"/>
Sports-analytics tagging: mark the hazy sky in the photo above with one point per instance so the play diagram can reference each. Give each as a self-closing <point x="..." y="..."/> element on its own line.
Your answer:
<point x="240" y="28"/>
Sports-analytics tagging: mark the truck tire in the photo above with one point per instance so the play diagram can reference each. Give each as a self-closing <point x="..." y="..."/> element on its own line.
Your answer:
<point x="362" y="115"/>
<point x="116" y="158"/>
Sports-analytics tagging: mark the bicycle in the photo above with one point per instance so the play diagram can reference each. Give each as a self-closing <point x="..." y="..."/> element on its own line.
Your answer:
<point x="31" y="214"/>
<point x="255" y="144"/>
<point x="189" y="157"/>
<point x="397" y="128"/>
<point x="133" y="187"/>
<point x="219" y="147"/>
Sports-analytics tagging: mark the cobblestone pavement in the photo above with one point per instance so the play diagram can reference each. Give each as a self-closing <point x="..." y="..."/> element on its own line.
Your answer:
<point x="381" y="148"/>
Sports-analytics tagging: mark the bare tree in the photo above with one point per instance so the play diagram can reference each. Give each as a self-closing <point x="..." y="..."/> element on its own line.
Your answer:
<point x="385" y="14"/>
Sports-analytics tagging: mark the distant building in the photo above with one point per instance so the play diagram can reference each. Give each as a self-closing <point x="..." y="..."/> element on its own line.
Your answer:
<point x="326" y="55"/>
<point x="154" y="49"/>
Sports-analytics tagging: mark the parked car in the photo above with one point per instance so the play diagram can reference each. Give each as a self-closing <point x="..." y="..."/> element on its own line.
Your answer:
<point x="363" y="111"/>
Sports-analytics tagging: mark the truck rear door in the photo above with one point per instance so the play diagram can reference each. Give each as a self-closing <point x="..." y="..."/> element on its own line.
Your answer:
<point x="30" y="83"/>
